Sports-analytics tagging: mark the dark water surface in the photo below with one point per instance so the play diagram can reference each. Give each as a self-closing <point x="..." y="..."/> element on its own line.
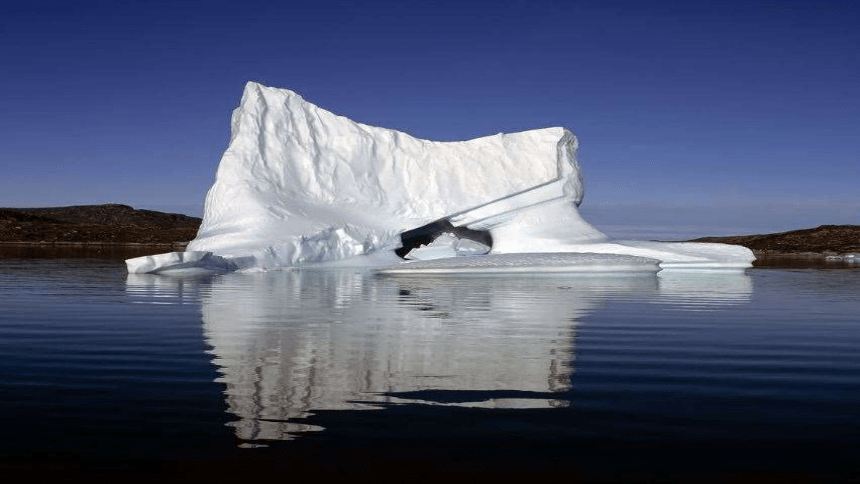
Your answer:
<point x="680" y="376"/>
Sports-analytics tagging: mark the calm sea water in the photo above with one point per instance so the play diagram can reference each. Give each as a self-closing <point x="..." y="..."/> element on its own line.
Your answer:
<point x="679" y="374"/>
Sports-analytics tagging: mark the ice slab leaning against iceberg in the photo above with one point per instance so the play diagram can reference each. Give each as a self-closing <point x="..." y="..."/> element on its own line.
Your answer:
<point x="299" y="185"/>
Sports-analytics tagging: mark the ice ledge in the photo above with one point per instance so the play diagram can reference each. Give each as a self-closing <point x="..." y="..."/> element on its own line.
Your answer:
<point x="180" y="263"/>
<point x="526" y="263"/>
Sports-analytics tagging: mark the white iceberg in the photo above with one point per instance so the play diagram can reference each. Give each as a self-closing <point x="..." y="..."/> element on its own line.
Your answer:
<point x="299" y="185"/>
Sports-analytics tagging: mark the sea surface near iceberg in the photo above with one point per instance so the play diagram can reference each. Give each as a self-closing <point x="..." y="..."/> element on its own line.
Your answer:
<point x="678" y="374"/>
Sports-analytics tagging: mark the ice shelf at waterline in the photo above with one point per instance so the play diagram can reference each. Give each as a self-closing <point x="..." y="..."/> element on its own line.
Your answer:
<point x="299" y="185"/>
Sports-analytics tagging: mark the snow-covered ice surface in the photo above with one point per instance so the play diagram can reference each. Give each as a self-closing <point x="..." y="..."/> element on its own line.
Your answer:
<point x="299" y="185"/>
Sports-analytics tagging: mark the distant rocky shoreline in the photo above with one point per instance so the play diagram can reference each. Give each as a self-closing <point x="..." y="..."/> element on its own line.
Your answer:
<point x="116" y="224"/>
<point x="86" y="225"/>
<point x="836" y="242"/>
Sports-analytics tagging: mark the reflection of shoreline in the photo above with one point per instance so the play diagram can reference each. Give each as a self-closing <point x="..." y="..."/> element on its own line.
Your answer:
<point x="805" y="261"/>
<point x="119" y="252"/>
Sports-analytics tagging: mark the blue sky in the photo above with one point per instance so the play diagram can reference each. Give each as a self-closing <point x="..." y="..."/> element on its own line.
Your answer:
<point x="700" y="117"/>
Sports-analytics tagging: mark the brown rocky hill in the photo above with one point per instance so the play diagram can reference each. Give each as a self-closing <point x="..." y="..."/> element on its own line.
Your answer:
<point x="825" y="239"/>
<point x="95" y="224"/>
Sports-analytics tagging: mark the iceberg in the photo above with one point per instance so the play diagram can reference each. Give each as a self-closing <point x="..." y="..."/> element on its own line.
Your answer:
<point x="299" y="186"/>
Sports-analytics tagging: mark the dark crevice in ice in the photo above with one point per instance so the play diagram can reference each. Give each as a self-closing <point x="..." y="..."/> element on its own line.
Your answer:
<point x="425" y="234"/>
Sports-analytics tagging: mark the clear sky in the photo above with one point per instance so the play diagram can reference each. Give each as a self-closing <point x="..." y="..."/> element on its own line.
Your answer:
<point x="705" y="117"/>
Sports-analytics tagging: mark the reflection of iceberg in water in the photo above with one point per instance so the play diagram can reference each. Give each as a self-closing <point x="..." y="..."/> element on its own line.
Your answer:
<point x="291" y="343"/>
<point x="705" y="289"/>
<point x="158" y="289"/>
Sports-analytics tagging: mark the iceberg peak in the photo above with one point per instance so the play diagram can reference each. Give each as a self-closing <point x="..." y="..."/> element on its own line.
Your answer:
<point x="299" y="184"/>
